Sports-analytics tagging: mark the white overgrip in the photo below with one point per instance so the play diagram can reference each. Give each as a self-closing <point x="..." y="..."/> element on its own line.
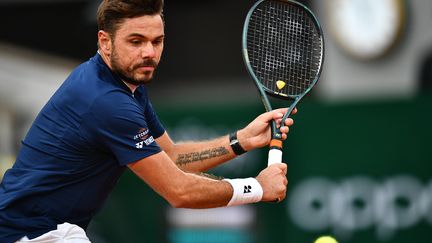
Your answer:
<point x="274" y="156"/>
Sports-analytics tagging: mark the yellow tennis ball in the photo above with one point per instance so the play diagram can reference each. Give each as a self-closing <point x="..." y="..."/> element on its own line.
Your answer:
<point x="325" y="239"/>
<point x="280" y="84"/>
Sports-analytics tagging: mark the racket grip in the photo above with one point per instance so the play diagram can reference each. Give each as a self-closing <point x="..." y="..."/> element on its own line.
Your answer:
<point x="274" y="156"/>
<point x="275" y="152"/>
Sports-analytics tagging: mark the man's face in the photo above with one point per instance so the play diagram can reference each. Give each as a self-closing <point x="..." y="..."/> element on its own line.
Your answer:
<point x="137" y="48"/>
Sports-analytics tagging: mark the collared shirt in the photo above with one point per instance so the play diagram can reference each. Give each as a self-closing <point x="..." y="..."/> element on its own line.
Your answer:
<point x="75" y="151"/>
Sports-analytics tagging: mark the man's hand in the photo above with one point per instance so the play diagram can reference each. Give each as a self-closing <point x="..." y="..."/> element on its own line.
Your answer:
<point x="273" y="182"/>
<point x="258" y="133"/>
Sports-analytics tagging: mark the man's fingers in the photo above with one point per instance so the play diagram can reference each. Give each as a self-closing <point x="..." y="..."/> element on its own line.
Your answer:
<point x="285" y="181"/>
<point x="282" y="166"/>
<point x="284" y="129"/>
<point x="274" y="182"/>
<point x="271" y="115"/>
<point x="277" y="115"/>
<point x="285" y="110"/>
<point x="281" y="110"/>
<point x="289" y="122"/>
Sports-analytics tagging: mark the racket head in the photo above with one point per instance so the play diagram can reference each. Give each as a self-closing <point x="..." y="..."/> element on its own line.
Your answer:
<point x="283" y="48"/>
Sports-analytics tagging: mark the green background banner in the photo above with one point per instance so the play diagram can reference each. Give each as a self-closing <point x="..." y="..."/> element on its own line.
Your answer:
<point x="360" y="172"/>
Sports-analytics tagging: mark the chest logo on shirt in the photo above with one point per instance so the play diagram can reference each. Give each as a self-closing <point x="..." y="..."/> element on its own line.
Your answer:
<point x="143" y="137"/>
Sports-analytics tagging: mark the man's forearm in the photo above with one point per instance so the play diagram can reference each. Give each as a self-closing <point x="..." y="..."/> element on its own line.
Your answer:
<point x="201" y="156"/>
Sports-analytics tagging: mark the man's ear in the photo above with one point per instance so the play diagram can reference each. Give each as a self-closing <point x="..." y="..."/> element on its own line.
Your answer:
<point x="105" y="42"/>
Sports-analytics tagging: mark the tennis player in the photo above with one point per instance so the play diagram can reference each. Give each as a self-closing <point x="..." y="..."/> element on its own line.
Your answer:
<point x="100" y="122"/>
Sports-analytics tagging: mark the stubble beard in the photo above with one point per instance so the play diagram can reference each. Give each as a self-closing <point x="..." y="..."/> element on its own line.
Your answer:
<point x="127" y="74"/>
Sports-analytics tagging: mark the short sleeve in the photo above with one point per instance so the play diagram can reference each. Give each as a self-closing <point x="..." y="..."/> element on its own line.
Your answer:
<point x="119" y="124"/>
<point x="153" y="121"/>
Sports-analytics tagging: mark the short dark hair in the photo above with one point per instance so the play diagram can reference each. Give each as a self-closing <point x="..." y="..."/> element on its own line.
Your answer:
<point x="111" y="13"/>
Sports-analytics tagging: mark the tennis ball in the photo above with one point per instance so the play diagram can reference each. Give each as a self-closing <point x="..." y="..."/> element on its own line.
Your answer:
<point x="325" y="239"/>
<point x="280" y="84"/>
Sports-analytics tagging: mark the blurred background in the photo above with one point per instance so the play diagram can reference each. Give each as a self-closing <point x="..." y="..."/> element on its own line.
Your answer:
<point x="359" y="155"/>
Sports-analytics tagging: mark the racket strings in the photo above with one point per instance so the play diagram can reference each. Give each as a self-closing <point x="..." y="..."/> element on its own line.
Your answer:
<point x="284" y="45"/>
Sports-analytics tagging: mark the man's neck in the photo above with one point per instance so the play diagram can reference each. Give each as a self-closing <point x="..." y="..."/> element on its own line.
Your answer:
<point x="132" y="87"/>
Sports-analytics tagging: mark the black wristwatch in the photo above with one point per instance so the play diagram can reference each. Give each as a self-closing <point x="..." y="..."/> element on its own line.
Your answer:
<point x="235" y="145"/>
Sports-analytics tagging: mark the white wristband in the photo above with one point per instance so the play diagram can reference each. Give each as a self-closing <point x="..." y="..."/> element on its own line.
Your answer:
<point x="245" y="191"/>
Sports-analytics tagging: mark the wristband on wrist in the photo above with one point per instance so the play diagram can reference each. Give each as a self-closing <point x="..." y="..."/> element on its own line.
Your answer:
<point x="245" y="191"/>
<point x="235" y="145"/>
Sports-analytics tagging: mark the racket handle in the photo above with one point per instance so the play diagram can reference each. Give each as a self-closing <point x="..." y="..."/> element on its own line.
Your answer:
<point x="274" y="156"/>
<point x="275" y="152"/>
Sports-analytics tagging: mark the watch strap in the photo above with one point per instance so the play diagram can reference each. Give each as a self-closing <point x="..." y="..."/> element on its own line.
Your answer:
<point x="235" y="145"/>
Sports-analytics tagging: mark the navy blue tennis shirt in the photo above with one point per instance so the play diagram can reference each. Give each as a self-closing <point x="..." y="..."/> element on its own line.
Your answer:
<point x="75" y="151"/>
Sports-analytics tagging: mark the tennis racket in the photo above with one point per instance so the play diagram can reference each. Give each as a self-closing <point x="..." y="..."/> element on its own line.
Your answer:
<point x="283" y="50"/>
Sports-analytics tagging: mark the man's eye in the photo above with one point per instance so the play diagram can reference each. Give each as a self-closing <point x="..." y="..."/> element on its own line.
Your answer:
<point x="157" y="42"/>
<point x="135" y="42"/>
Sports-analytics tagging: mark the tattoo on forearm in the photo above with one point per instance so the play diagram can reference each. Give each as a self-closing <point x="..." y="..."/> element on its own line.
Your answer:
<point x="200" y="156"/>
<point x="211" y="176"/>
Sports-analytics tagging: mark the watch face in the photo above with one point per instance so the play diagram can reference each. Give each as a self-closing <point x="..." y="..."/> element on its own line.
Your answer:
<point x="366" y="29"/>
<point x="234" y="141"/>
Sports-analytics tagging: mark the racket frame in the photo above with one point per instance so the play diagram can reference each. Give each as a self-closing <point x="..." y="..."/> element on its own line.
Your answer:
<point x="275" y="152"/>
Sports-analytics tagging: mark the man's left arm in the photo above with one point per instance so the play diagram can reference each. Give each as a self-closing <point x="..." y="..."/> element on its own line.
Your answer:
<point x="197" y="156"/>
<point x="204" y="155"/>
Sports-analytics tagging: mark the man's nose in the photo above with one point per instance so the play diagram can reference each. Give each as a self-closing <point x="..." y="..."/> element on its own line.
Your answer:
<point x="148" y="51"/>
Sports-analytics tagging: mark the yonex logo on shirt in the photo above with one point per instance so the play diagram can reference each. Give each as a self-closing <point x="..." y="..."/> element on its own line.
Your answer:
<point x="140" y="144"/>
<point x="147" y="142"/>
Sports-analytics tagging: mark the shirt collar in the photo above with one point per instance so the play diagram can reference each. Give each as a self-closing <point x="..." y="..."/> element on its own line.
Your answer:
<point x="113" y="78"/>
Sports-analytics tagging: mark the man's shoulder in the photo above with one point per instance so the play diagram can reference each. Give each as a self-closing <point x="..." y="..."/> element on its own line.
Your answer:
<point x="112" y="102"/>
<point x="91" y="80"/>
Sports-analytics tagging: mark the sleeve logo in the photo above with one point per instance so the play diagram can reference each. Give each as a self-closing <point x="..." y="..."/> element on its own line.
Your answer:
<point x="142" y="134"/>
<point x="144" y="138"/>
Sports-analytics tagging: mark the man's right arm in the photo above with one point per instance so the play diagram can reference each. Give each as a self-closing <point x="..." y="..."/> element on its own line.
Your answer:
<point x="187" y="190"/>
